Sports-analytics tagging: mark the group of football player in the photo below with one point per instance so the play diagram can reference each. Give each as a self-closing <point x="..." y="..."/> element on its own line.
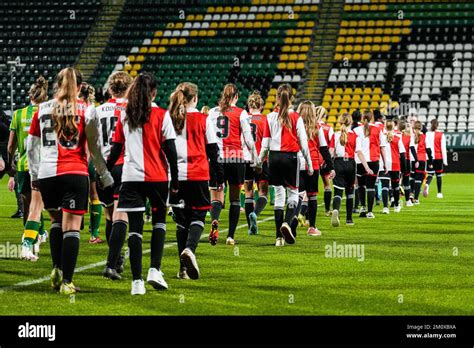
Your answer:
<point x="129" y="154"/>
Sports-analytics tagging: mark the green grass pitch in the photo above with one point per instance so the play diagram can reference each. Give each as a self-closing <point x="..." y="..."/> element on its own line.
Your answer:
<point x="418" y="262"/>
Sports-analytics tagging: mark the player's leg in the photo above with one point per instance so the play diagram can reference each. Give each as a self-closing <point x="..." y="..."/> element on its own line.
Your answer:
<point x="395" y="180"/>
<point x="188" y="255"/>
<point x="370" y="184"/>
<point x="236" y="178"/>
<point x="362" y="180"/>
<point x="439" y="170"/>
<point x="95" y="214"/>
<point x="249" y="197"/>
<point x="312" y="190"/>
<point x="419" y="175"/>
<point x="74" y="206"/>
<point x="327" y="193"/>
<point x="157" y="194"/>
<point x="279" y="212"/>
<point x="217" y="203"/>
<point x="385" y="181"/>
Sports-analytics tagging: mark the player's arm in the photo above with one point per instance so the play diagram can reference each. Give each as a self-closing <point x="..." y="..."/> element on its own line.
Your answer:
<point x="303" y="141"/>
<point x="383" y="147"/>
<point x="361" y="156"/>
<point x="212" y="152"/>
<point x="12" y="141"/>
<point x="169" y="148"/>
<point x="266" y="137"/>
<point x="93" y="144"/>
<point x="443" y="150"/>
<point x="332" y="147"/>
<point x="324" y="150"/>
<point x="403" y="161"/>
<point x="248" y="138"/>
<point x="33" y="148"/>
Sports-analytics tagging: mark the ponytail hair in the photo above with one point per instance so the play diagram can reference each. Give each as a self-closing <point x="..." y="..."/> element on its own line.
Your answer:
<point x="139" y="97"/>
<point x="38" y="92"/>
<point x="284" y="100"/>
<point x="345" y="120"/>
<point x="417" y="131"/>
<point x="228" y="94"/>
<point x="64" y="109"/>
<point x="307" y="112"/>
<point x="367" y="117"/>
<point x="119" y="82"/>
<point x="390" y="126"/>
<point x="404" y="127"/>
<point x="321" y="113"/>
<point x="87" y="93"/>
<point x="179" y="100"/>
<point x="434" y="125"/>
<point x="255" y="101"/>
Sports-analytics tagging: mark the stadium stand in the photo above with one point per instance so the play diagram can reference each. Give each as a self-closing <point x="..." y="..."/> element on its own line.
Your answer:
<point x="256" y="44"/>
<point x="418" y="54"/>
<point x="46" y="35"/>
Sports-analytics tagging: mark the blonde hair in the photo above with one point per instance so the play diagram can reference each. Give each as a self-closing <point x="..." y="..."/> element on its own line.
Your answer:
<point x="38" y="92"/>
<point x="367" y="117"/>
<point x="64" y="110"/>
<point x="417" y="131"/>
<point x="404" y="127"/>
<point x="87" y="93"/>
<point x="345" y="120"/>
<point x="205" y="110"/>
<point x="321" y="112"/>
<point x="228" y="94"/>
<point x="183" y="95"/>
<point x="119" y="82"/>
<point x="390" y="126"/>
<point x="284" y="100"/>
<point x="255" y="101"/>
<point x="307" y="112"/>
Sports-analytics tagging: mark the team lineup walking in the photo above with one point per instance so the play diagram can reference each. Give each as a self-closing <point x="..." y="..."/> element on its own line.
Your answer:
<point x="132" y="158"/>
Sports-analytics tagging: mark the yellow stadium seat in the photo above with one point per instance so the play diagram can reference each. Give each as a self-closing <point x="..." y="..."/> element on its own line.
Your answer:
<point x="338" y="91"/>
<point x="133" y="73"/>
<point x="211" y="9"/>
<point x="364" y="105"/>
<point x="152" y="49"/>
<point x="182" y="41"/>
<point x="337" y="98"/>
<point x="299" y="66"/>
<point x="325" y="105"/>
<point x="281" y="66"/>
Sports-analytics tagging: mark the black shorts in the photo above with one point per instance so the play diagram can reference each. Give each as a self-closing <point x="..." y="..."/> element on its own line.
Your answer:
<point x="384" y="176"/>
<point x="195" y="195"/>
<point x="234" y="174"/>
<point x="252" y="175"/>
<point x="110" y="194"/>
<point x="324" y="169"/>
<point x="345" y="173"/>
<point x="394" y="176"/>
<point x="421" y="167"/>
<point x="438" y="166"/>
<point x="24" y="183"/>
<point x="284" y="169"/>
<point x="408" y="168"/>
<point x="69" y="192"/>
<point x="374" y="166"/>
<point x="133" y="195"/>
<point x="309" y="183"/>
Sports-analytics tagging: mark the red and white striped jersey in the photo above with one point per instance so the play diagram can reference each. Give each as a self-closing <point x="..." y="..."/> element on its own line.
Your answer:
<point x="145" y="159"/>
<point x="371" y="144"/>
<point x="436" y="141"/>
<point x="348" y="150"/>
<point x="60" y="157"/>
<point x="107" y="116"/>
<point x="406" y="140"/>
<point x="313" y="146"/>
<point x="420" y="147"/>
<point x="277" y="137"/>
<point x="257" y="125"/>
<point x="392" y="157"/>
<point x="232" y="130"/>
<point x="328" y="131"/>
<point x="198" y="131"/>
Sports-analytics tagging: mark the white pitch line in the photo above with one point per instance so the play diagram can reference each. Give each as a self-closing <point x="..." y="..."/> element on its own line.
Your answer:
<point x="98" y="264"/>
